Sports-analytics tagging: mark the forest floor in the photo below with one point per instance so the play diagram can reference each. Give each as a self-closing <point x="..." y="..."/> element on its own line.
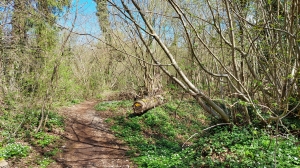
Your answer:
<point x="89" y="142"/>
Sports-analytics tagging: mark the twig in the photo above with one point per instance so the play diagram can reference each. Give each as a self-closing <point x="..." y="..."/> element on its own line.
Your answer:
<point x="203" y="131"/>
<point x="178" y="105"/>
<point x="276" y="146"/>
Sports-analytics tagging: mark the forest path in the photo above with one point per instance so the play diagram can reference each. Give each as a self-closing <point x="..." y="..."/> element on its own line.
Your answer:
<point x="89" y="142"/>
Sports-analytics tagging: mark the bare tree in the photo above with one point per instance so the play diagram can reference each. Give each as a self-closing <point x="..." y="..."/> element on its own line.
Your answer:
<point x="250" y="47"/>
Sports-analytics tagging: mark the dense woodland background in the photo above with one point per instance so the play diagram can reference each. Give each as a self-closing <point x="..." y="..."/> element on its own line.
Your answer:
<point x="238" y="59"/>
<point x="242" y="53"/>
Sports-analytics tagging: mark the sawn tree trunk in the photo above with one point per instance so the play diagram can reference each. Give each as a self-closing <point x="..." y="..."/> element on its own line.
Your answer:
<point x="141" y="106"/>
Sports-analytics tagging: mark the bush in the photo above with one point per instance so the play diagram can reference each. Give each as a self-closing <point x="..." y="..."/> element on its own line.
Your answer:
<point x="43" y="139"/>
<point x="14" y="150"/>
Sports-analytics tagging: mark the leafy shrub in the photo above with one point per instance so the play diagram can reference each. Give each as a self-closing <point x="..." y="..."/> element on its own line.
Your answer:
<point x="44" y="162"/>
<point x="14" y="150"/>
<point x="43" y="139"/>
<point x="52" y="152"/>
<point x="31" y="119"/>
<point x="54" y="120"/>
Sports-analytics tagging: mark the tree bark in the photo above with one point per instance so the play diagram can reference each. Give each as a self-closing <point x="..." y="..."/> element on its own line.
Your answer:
<point x="141" y="106"/>
<point x="104" y="23"/>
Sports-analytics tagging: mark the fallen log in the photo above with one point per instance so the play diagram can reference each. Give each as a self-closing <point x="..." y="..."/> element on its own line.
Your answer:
<point x="142" y="105"/>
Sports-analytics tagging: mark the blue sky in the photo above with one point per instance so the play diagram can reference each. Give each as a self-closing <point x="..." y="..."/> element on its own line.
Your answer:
<point x="86" y="22"/>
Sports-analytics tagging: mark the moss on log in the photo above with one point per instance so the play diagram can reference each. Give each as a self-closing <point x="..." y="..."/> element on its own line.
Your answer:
<point x="142" y="105"/>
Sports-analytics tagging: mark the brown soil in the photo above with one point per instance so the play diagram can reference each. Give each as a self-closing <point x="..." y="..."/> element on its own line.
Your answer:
<point x="89" y="142"/>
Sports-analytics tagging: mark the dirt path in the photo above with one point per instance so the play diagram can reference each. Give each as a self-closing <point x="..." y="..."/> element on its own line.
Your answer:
<point x="89" y="142"/>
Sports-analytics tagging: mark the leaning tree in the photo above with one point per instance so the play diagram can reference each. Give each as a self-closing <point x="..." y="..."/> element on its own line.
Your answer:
<point x="245" y="51"/>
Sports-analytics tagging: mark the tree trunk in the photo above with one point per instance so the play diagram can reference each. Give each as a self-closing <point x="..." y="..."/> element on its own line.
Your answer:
<point x="141" y="106"/>
<point x="104" y="23"/>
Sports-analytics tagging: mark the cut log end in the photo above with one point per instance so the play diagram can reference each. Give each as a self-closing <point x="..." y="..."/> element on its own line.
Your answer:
<point x="141" y="106"/>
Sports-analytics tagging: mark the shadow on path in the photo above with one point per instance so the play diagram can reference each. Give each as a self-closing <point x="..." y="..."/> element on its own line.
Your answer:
<point x="89" y="142"/>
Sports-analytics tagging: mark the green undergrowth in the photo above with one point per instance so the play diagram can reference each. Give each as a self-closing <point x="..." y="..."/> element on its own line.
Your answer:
<point x="156" y="136"/>
<point x="244" y="147"/>
<point x="171" y="136"/>
<point x="19" y="138"/>
<point x="14" y="149"/>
